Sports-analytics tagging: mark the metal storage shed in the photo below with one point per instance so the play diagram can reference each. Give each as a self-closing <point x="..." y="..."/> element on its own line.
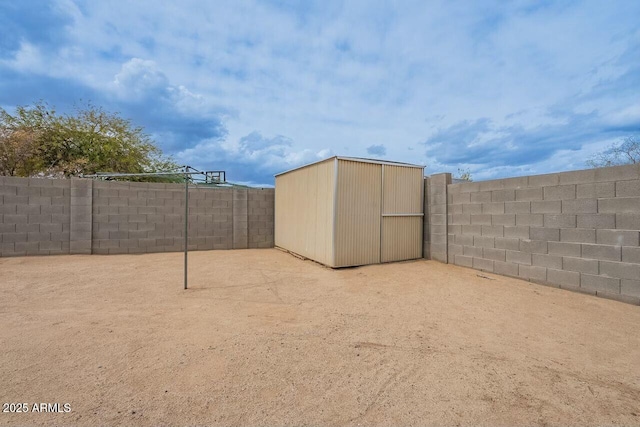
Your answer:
<point x="346" y="211"/>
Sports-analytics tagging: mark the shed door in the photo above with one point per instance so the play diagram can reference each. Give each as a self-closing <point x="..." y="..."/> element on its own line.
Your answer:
<point x="402" y="213"/>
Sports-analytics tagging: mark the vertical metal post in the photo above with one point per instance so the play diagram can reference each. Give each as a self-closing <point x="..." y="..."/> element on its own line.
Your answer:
<point x="186" y="221"/>
<point x="381" y="213"/>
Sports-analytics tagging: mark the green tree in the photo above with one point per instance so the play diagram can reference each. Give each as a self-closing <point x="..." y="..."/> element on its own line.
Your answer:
<point x="38" y="140"/>
<point x="20" y="139"/>
<point x="625" y="152"/>
<point x="18" y="152"/>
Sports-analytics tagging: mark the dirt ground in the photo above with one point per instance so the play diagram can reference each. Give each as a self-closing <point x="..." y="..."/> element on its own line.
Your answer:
<point x="264" y="338"/>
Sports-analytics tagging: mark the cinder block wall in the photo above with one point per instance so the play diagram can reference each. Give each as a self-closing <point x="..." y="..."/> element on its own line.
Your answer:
<point x="34" y="216"/>
<point x="42" y="217"/>
<point x="576" y="230"/>
<point x="260" y="217"/>
<point x="435" y="240"/>
<point x="149" y="217"/>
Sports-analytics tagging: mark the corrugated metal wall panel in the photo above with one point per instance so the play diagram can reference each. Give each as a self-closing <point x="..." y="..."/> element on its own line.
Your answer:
<point x="402" y="190"/>
<point x="324" y="212"/>
<point x="357" y="233"/>
<point x="401" y="238"/>
<point x="304" y="211"/>
<point x="402" y="195"/>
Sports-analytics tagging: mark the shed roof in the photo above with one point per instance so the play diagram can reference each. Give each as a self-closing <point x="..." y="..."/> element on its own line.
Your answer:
<point x="355" y="159"/>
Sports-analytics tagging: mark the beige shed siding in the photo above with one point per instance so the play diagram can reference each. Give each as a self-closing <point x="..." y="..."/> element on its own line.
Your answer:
<point x="304" y="211"/>
<point x="401" y="238"/>
<point x="402" y="190"/>
<point x="358" y="209"/>
<point x="325" y="208"/>
<point x="402" y="235"/>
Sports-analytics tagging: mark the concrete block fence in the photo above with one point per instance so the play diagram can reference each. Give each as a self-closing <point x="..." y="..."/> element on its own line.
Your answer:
<point x="575" y="230"/>
<point x="34" y="216"/>
<point x="81" y="216"/>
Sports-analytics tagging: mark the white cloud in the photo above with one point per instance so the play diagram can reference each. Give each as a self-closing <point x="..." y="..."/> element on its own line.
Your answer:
<point x="138" y="78"/>
<point x="252" y="158"/>
<point x="27" y="59"/>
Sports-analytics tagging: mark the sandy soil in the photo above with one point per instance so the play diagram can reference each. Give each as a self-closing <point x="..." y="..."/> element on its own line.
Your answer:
<point x="264" y="338"/>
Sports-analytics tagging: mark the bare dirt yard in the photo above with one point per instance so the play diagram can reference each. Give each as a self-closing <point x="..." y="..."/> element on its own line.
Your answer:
<point x="264" y="338"/>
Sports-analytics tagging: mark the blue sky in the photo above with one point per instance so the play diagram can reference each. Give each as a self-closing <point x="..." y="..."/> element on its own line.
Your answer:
<point x="257" y="87"/>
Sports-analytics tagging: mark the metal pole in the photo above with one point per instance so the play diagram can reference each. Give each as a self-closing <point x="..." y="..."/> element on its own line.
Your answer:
<point x="382" y="213"/>
<point x="186" y="221"/>
<point x="186" y="175"/>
